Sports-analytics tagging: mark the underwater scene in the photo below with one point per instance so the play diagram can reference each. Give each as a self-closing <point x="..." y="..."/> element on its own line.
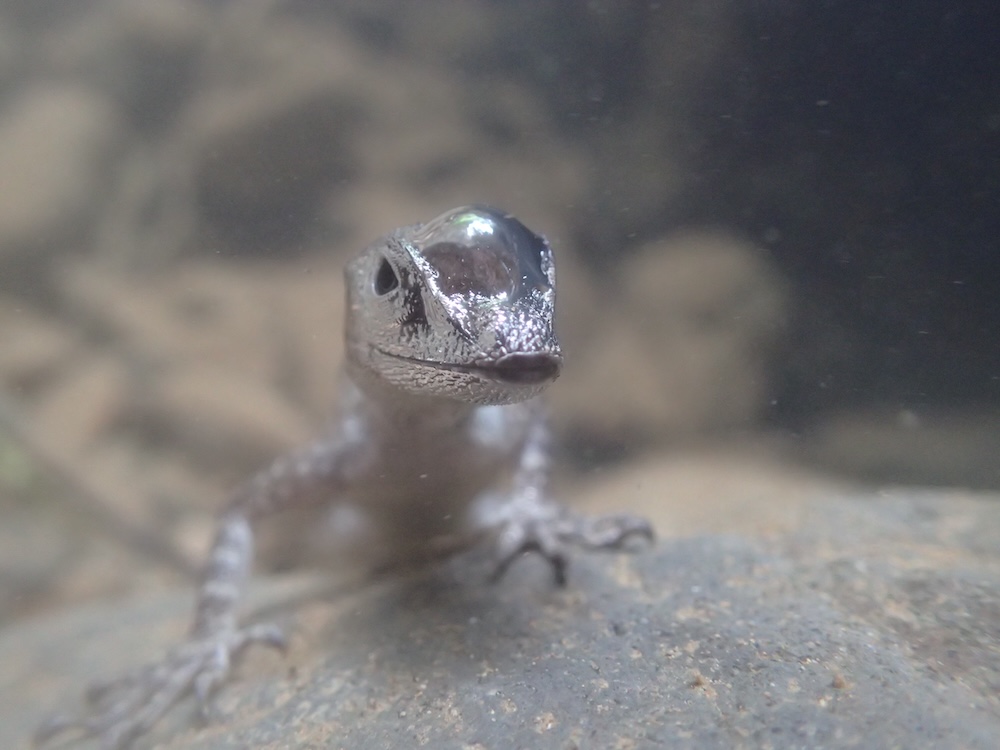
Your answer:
<point x="499" y="374"/>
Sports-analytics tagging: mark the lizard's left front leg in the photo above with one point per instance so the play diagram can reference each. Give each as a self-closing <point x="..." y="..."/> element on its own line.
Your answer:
<point x="532" y="522"/>
<point x="127" y="707"/>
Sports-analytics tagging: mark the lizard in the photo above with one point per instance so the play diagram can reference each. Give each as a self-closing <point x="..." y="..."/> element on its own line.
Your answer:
<point x="450" y="341"/>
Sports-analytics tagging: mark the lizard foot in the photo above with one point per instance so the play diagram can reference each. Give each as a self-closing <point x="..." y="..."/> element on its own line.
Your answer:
<point x="552" y="536"/>
<point x="123" y="709"/>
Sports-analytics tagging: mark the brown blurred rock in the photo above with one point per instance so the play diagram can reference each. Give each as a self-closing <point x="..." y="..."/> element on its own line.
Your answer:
<point x="710" y="310"/>
<point x="55" y="144"/>
<point x="143" y="55"/>
<point x="84" y="404"/>
<point x="33" y="347"/>
<point x="953" y="447"/>
<point x="273" y="131"/>
<point x="679" y="343"/>
<point x="227" y="366"/>
<point x="732" y="490"/>
<point x="148" y="401"/>
<point x="300" y="132"/>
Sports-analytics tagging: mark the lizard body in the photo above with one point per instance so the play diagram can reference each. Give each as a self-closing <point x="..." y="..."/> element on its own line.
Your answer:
<point x="449" y="342"/>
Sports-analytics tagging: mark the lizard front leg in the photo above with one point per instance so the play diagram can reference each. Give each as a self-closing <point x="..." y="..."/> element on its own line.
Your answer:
<point x="122" y="709"/>
<point x="531" y="521"/>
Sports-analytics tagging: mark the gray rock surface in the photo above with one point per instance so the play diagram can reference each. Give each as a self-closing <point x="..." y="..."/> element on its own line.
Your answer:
<point x="875" y="622"/>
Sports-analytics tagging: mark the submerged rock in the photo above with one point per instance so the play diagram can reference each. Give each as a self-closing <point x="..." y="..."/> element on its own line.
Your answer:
<point x="875" y="622"/>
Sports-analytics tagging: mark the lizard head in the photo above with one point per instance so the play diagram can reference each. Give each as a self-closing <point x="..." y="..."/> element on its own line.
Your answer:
<point x="460" y="307"/>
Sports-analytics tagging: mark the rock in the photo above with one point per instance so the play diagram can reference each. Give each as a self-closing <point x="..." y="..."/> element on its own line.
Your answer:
<point x="265" y="152"/>
<point x="921" y="445"/>
<point x="871" y="620"/>
<point x="222" y="418"/>
<point x="83" y="405"/>
<point x="55" y="145"/>
<point x="145" y="56"/>
<point x="224" y="364"/>
<point x="144" y="403"/>
<point x="694" y="320"/>
<point x="33" y="346"/>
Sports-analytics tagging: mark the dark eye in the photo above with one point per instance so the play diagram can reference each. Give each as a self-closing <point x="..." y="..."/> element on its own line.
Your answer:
<point x="385" y="278"/>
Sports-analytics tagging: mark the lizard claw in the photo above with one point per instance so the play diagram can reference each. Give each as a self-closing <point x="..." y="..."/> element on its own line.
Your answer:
<point x="608" y="532"/>
<point x="122" y="709"/>
<point x="551" y="537"/>
<point x="517" y="538"/>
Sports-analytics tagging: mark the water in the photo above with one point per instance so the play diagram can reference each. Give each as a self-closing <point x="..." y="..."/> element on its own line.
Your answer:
<point x="775" y="223"/>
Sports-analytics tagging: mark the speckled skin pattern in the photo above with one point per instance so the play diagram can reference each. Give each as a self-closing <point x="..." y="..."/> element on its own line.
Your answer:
<point x="449" y="341"/>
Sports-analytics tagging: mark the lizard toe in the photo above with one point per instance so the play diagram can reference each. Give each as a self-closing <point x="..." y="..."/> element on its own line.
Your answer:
<point x="609" y="532"/>
<point x="121" y="710"/>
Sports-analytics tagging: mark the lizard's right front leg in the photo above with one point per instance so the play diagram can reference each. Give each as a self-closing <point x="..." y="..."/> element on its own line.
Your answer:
<point x="125" y="708"/>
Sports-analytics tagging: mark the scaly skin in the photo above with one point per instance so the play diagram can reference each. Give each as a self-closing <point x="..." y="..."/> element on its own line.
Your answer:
<point x="449" y="341"/>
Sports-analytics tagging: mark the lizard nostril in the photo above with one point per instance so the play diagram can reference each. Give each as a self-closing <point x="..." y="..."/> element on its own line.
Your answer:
<point x="528" y="368"/>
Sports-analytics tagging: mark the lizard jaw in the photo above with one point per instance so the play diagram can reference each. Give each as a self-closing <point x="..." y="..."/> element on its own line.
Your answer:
<point x="515" y="368"/>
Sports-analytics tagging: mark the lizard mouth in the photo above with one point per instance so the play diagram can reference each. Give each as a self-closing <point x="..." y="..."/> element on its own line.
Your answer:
<point x="516" y="368"/>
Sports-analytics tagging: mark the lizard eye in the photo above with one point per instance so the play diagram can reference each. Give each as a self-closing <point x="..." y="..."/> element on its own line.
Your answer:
<point x="385" y="278"/>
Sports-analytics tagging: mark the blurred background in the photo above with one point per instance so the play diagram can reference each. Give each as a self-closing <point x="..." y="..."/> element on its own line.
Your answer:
<point x="776" y="226"/>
